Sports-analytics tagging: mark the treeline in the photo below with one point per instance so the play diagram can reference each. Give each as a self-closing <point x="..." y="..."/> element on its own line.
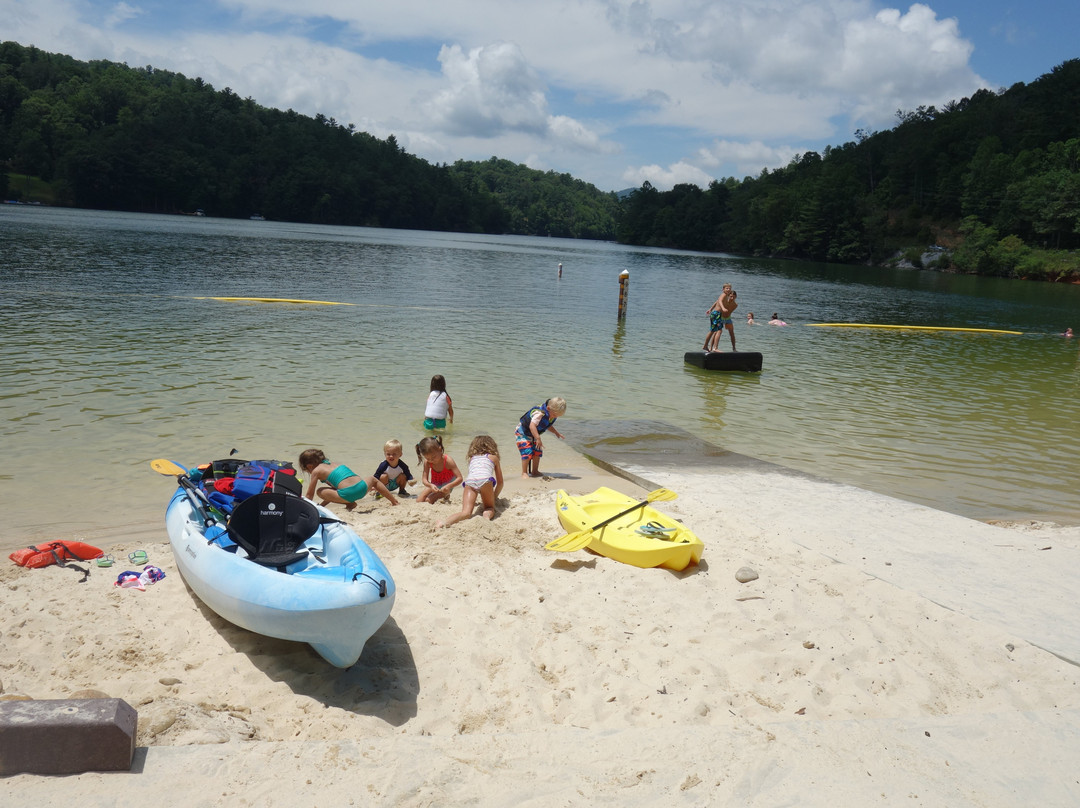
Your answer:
<point x="107" y="136"/>
<point x="994" y="178"/>
<point x="543" y="204"/>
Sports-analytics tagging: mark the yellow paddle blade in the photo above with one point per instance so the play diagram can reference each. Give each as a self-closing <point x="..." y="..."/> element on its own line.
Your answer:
<point x="581" y="538"/>
<point x="570" y="542"/>
<point x="163" y="466"/>
<point x="661" y="495"/>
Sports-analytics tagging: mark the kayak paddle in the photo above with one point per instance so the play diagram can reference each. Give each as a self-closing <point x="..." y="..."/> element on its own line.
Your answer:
<point x="197" y="497"/>
<point x="163" y="466"/>
<point x="199" y="501"/>
<point x="581" y="538"/>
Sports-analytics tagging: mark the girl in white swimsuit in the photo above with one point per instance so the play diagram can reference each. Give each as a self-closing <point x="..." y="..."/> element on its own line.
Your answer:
<point x="484" y="480"/>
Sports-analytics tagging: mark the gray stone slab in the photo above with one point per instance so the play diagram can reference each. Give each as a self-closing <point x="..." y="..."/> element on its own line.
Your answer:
<point x="66" y="736"/>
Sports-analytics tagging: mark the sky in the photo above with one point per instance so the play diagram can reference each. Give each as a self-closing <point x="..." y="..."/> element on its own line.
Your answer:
<point x="613" y="92"/>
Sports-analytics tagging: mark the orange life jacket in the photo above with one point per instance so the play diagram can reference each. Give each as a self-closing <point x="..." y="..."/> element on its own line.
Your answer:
<point x="55" y="552"/>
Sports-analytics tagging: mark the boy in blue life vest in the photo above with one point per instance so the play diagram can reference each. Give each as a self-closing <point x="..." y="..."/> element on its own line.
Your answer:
<point x="531" y="426"/>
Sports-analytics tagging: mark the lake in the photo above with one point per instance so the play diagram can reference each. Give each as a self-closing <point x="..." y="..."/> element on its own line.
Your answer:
<point x="115" y="353"/>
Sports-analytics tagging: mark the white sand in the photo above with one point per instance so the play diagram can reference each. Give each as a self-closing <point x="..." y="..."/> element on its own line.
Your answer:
<point x="888" y="654"/>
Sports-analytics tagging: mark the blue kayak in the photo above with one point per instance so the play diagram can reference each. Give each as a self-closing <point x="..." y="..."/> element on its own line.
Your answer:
<point x="329" y="589"/>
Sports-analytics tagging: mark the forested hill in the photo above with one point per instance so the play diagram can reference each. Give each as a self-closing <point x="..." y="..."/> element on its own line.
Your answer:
<point x="995" y="176"/>
<point x="104" y="135"/>
<point x="543" y="203"/>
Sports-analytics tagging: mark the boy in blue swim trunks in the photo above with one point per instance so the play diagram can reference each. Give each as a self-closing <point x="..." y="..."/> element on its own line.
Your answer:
<point x="720" y="318"/>
<point x="341" y="484"/>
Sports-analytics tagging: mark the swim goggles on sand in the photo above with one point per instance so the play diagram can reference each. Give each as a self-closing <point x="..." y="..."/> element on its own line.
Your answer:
<point x="138" y="580"/>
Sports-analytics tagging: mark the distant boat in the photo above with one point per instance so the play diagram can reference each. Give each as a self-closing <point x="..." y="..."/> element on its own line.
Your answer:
<point x="257" y="217"/>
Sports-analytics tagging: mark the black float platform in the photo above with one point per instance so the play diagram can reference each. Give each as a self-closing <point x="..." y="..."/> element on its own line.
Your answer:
<point x="724" y="360"/>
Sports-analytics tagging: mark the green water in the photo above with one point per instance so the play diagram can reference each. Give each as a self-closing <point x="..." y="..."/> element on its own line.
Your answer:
<point x="113" y="356"/>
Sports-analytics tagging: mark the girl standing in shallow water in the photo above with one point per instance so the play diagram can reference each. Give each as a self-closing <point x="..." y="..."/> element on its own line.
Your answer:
<point x="439" y="406"/>
<point x="484" y="480"/>
<point x="440" y="473"/>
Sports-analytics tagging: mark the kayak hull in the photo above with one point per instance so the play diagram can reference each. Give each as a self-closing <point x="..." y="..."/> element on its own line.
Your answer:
<point x="334" y="605"/>
<point x="620" y="540"/>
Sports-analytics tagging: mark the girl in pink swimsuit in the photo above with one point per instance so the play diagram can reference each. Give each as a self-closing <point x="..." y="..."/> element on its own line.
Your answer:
<point x="441" y="473"/>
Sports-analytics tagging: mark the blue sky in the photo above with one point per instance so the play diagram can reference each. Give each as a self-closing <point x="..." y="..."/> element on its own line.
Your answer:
<point x="611" y="91"/>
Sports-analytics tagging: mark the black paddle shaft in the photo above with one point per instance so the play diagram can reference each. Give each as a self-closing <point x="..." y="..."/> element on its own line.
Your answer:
<point x="611" y="519"/>
<point x="201" y="504"/>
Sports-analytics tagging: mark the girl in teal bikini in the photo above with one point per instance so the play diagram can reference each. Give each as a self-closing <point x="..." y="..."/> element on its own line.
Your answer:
<point x="342" y="484"/>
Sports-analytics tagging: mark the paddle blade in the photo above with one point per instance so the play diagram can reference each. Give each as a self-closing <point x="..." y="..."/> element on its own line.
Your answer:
<point x="570" y="542"/>
<point x="661" y="495"/>
<point x="163" y="466"/>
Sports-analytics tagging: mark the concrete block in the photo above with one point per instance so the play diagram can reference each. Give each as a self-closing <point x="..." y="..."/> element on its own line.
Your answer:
<point x="66" y="736"/>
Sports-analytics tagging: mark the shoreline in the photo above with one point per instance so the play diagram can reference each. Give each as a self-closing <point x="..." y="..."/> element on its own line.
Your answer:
<point x="575" y="457"/>
<point x="871" y="658"/>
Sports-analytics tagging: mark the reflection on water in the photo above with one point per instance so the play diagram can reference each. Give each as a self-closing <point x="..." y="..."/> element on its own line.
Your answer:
<point x="714" y="388"/>
<point x="617" y="348"/>
<point x="114" y="356"/>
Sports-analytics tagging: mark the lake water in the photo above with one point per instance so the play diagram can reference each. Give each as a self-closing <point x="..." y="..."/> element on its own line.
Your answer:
<point x="113" y="354"/>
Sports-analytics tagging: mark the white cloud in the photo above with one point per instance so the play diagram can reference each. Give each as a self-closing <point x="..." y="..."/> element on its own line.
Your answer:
<point x="748" y="158"/>
<point x="666" y="178"/>
<point x="568" y="131"/>
<point x="488" y="90"/>
<point x="722" y="158"/>
<point x="121" y="13"/>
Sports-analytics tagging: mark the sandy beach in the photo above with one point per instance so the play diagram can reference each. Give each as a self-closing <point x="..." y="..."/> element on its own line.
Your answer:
<point x="887" y="654"/>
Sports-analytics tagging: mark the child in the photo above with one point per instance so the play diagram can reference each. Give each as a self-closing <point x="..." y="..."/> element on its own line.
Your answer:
<point x="720" y="318"/>
<point x="439" y="405"/>
<point x="484" y="480"/>
<point x="750" y="318"/>
<point x="776" y="320"/>
<point x="527" y="434"/>
<point x="393" y="473"/>
<point x="343" y="485"/>
<point x="440" y="473"/>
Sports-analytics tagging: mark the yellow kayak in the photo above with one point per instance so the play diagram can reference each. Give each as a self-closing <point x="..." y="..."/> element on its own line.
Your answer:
<point x="915" y="327"/>
<point x="275" y="300"/>
<point x="642" y="538"/>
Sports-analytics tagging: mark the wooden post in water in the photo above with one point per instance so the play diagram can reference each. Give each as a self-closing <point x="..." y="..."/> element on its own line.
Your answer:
<point x="624" y="292"/>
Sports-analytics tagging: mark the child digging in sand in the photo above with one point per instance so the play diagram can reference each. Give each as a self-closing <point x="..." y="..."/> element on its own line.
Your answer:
<point x="484" y="480"/>
<point x="440" y="473"/>
<point x="392" y="472"/>
<point x="341" y="484"/>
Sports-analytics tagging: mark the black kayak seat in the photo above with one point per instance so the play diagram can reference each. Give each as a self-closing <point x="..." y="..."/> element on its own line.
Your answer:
<point x="270" y="527"/>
